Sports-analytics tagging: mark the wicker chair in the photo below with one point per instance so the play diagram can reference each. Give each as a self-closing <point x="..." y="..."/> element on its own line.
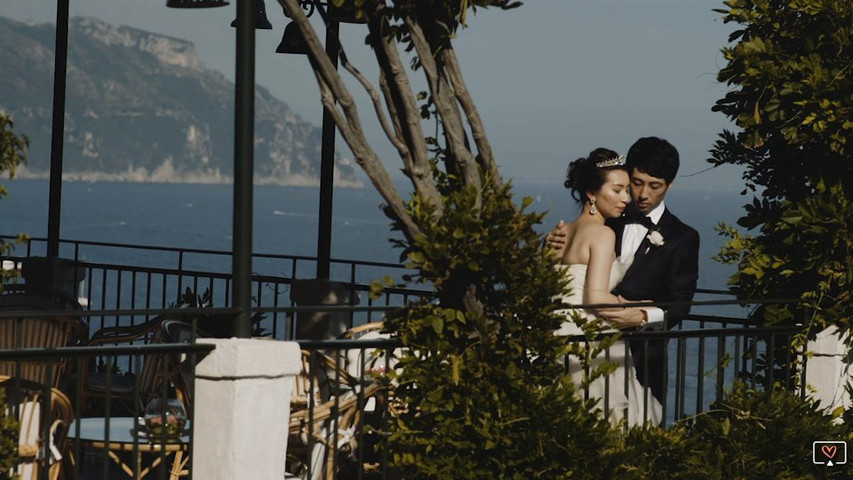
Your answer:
<point x="150" y="372"/>
<point x="182" y="372"/>
<point x="25" y="400"/>
<point x="359" y="331"/>
<point x="35" y="330"/>
<point x="368" y="362"/>
<point x="326" y="411"/>
<point x="103" y="369"/>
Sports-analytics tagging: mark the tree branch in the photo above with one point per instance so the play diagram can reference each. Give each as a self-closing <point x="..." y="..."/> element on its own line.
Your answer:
<point x="392" y="108"/>
<point x="334" y="90"/>
<point x="447" y="107"/>
<point x="403" y="102"/>
<point x="392" y="134"/>
<point x="478" y="130"/>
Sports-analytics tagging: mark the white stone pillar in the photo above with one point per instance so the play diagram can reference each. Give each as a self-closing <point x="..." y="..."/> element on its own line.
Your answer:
<point x="827" y="372"/>
<point x="242" y="407"/>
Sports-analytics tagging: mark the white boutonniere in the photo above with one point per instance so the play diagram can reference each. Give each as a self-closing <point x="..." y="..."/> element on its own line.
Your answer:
<point x="655" y="238"/>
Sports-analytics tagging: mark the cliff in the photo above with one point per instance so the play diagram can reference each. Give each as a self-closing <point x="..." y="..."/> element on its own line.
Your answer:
<point x="142" y="107"/>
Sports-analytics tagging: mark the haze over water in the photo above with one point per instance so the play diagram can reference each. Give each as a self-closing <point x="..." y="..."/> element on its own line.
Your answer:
<point x="285" y="220"/>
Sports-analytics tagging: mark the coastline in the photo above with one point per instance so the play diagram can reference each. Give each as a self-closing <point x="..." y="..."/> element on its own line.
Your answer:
<point x="203" y="178"/>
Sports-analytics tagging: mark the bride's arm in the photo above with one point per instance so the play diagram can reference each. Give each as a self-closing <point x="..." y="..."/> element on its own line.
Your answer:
<point x="601" y="256"/>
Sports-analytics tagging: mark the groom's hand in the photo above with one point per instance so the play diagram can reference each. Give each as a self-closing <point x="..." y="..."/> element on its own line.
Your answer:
<point x="556" y="238"/>
<point x="625" y="317"/>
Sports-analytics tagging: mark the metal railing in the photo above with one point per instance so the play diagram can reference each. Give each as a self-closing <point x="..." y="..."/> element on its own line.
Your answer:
<point x="695" y="380"/>
<point x="96" y="437"/>
<point x="704" y="355"/>
<point x="110" y="276"/>
<point x="696" y="375"/>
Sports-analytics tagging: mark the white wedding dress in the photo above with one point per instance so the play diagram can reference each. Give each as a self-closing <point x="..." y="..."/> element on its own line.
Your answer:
<point x="626" y="397"/>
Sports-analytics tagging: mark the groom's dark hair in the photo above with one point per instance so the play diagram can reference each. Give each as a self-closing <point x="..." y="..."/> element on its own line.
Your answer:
<point x="653" y="156"/>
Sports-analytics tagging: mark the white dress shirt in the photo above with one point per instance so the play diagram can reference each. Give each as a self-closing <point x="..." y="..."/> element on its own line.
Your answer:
<point x="632" y="237"/>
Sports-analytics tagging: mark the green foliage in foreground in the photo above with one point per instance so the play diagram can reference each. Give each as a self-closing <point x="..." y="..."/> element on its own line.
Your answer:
<point x="13" y="153"/>
<point x="13" y="148"/>
<point x="748" y="435"/>
<point x="481" y="389"/>
<point x="805" y="253"/>
<point x="788" y="68"/>
<point x="791" y="95"/>
<point x="8" y="438"/>
<point x="753" y="434"/>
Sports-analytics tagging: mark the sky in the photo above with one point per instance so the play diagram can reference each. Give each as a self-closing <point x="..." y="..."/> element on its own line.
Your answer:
<point x="553" y="79"/>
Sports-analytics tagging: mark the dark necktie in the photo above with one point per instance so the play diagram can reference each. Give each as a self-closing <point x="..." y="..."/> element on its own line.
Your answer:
<point x="642" y="220"/>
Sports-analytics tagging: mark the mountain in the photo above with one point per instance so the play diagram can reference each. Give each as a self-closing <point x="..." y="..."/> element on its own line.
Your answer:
<point x="142" y="107"/>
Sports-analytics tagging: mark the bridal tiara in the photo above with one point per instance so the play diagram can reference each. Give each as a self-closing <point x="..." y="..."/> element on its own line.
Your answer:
<point x="616" y="161"/>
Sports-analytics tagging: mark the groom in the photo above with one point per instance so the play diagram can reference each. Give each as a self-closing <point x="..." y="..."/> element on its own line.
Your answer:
<point x="666" y="256"/>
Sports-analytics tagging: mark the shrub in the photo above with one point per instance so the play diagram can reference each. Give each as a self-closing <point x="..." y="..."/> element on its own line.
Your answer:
<point x="481" y="388"/>
<point x="754" y="434"/>
<point x="8" y="439"/>
<point x="803" y="253"/>
<point x="13" y="153"/>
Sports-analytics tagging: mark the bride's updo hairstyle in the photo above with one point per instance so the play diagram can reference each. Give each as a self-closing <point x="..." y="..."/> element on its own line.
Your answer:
<point x="588" y="174"/>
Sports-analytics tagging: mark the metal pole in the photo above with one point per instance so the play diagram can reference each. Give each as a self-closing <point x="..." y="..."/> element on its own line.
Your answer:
<point x="244" y="118"/>
<point x="58" y="133"/>
<point x="327" y="168"/>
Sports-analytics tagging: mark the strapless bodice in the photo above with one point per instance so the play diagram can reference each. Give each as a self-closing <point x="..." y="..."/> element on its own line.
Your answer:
<point x="575" y="274"/>
<point x="625" y="396"/>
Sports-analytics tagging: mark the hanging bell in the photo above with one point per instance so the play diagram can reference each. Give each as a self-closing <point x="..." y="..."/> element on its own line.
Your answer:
<point x="292" y="41"/>
<point x="261" y="21"/>
<point x="196" y="3"/>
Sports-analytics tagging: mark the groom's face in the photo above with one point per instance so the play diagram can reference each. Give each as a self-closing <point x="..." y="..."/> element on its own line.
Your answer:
<point x="647" y="191"/>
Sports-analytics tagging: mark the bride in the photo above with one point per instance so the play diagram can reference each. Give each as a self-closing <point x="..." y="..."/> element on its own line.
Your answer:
<point x="600" y="184"/>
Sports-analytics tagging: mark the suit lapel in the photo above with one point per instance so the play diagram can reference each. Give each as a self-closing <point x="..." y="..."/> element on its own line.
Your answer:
<point x="619" y="228"/>
<point x="639" y="255"/>
<point x="645" y="246"/>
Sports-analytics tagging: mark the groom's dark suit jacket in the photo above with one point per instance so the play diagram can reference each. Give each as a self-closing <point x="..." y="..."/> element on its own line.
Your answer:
<point x="665" y="273"/>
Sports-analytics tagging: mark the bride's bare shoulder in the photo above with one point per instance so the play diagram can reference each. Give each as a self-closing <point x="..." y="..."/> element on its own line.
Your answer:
<point x="596" y="231"/>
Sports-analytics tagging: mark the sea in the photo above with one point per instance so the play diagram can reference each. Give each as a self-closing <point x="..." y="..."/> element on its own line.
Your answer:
<point x="199" y="216"/>
<point x="285" y="221"/>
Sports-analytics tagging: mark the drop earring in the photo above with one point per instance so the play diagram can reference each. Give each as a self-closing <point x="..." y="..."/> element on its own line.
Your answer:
<point x="592" y="209"/>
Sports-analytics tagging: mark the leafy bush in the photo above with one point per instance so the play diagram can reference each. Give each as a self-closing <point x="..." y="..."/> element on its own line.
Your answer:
<point x="753" y="434"/>
<point x="13" y="153"/>
<point x="654" y="452"/>
<point x="749" y="434"/>
<point x="805" y="254"/>
<point x="791" y="95"/>
<point x="481" y="391"/>
<point x="8" y="439"/>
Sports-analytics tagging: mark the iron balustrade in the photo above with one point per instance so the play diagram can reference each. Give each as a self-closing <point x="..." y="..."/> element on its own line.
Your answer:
<point x="126" y="277"/>
<point x="706" y="353"/>
<point x="131" y="277"/>
<point x="746" y="353"/>
<point x="80" y="462"/>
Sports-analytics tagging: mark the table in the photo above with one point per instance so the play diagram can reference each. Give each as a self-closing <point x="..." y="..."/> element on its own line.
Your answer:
<point x="121" y="439"/>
